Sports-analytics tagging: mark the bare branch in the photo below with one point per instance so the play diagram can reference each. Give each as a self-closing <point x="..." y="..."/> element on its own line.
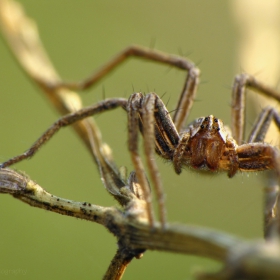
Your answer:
<point x="130" y="231"/>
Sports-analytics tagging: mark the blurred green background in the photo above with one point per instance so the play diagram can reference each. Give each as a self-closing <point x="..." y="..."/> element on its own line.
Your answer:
<point x="79" y="37"/>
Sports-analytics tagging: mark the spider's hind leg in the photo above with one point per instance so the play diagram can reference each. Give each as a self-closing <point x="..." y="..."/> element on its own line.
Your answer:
<point x="271" y="191"/>
<point x="256" y="155"/>
<point x="262" y="123"/>
<point x="242" y="82"/>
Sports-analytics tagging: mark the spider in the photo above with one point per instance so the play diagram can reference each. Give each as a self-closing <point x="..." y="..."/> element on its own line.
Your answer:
<point x="205" y="144"/>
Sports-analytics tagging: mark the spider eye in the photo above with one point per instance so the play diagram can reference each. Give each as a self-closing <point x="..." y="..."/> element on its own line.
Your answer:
<point x="202" y="126"/>
<point x="207" y="119"/>
<point x="215" y="120"/>
<point x="218" y="129"/>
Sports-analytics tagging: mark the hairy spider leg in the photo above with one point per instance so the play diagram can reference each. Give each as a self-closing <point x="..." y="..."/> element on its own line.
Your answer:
<point x="242" y="82"/>
<point x="160" y="134"/>
<point x="133" y="108"/>
<point x="67" y="120"/>
<point x="189" y="88"/>
<point x="256" y="155"/>
<point x="262" y="123"/>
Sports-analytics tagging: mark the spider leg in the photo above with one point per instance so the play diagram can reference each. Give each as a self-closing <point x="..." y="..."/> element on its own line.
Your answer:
<point x="262" y="156"/>
<point x="186" y="98"/>
<point x="160" y="134"/>
<point x="133" y="109"/>
<point x="150" y="105"/>
<point x="190" y="85"/>
<point x="271" y="206"/>
<point x="257" y="157"/>
<point x="66" y="120"/>
<point x="262" y="123"/>
<point x="166" y="134"/>
<point x="238" y="102"/>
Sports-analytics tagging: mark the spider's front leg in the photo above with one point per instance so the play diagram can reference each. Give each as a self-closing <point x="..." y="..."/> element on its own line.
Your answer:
<point x="133" y="107"/>
<point x="66" y="120"/>
<point x="189" y="88"/>
<point x="159" y="133"/>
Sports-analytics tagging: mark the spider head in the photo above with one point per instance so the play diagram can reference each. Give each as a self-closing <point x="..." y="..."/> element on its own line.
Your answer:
<point x="208" y="127"/>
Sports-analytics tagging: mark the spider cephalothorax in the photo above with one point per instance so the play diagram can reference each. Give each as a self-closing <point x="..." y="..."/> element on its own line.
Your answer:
<point x="207" y="145"/>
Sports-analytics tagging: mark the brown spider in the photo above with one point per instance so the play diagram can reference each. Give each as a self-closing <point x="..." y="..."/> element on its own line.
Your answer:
<point x="205" y="144"/>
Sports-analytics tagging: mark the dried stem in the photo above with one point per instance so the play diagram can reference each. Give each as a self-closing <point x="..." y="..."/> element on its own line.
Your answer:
<point x="130" y="232"/>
